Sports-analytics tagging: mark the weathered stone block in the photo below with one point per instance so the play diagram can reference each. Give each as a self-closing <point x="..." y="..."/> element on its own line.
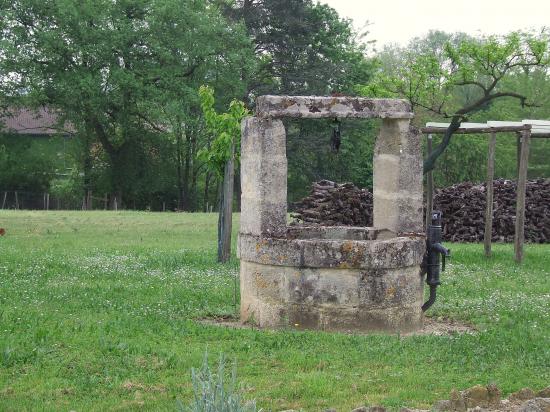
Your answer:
<point x="397" y="178"/>
<point x="332" y="253"/>
<point x="398" y="213"/>
<point x="335" y="232"/>
<point x="331" y="299"/>
<point x="316" y="107"/>
<point x="263" y="176"/>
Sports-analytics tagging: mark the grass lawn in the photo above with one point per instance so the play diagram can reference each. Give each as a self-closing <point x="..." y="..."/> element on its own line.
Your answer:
<point x="98" y="312"/>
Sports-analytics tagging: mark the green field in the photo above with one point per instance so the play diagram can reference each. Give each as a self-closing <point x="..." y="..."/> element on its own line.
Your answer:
<point x="98" y="311"/>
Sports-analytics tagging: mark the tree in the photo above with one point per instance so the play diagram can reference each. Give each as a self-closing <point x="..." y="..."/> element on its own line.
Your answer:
<point x="221" y="158"/>
<point x="462" y="76"/>
<point x="26" y="163"/>
<point x="302" y="48"/>
<point x="109" y="64"/>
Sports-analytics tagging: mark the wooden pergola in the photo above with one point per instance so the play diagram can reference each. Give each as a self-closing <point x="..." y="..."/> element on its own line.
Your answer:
<point x="525" y="130"/>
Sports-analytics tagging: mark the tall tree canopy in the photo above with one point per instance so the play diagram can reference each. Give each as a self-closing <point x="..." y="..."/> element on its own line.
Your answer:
<point x="108" y="65"/>
<point x="302" y="47"/>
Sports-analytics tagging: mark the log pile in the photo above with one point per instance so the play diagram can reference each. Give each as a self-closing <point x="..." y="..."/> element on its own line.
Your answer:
<point x="335" y="204"/>
<point x="463" y="207"/>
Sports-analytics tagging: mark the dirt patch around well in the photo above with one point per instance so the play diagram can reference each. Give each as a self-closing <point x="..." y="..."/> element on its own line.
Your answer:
<point x="432" y="326"/>
<point x="443" y="326"/>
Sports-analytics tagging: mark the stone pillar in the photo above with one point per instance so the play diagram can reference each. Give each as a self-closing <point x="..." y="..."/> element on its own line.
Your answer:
<point x="397" y="178"/>
<point x="263" y="177"/>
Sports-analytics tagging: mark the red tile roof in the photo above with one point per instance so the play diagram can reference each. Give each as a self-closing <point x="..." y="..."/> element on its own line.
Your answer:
<point x="36" y="122"/>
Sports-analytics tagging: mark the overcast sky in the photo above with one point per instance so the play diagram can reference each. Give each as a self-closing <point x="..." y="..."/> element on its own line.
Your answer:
<point x="397" y="21"/>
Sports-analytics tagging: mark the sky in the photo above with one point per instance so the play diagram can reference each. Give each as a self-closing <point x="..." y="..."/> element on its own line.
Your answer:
<point x="398" y="21"/>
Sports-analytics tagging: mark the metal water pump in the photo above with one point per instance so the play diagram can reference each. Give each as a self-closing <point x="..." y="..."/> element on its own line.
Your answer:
<point x="434" y="260"/>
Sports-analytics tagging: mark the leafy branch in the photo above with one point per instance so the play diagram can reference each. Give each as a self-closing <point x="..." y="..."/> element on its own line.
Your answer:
<point x="225" y="127"/>
<point x="429" y="78"/>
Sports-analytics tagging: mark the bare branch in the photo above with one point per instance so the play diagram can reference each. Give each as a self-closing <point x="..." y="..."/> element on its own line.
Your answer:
<point x="430" y="161"/>
<point x="487" y="98"/>
<point x="473" y="83"/>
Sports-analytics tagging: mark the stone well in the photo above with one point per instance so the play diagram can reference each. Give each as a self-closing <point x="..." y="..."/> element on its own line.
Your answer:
<point x="331" y="278"/>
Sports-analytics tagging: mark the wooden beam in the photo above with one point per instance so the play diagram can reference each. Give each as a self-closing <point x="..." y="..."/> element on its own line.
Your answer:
<point x="520" y="204"/>
<point x="474" y="130"/>
<point x="489" y="194"/>
<point x="518" y="153"/>
<point x="463" y="125"/>
<point x="539" y="128"/>
<point x="505" y="123"/>
<point x="429" y="187"/>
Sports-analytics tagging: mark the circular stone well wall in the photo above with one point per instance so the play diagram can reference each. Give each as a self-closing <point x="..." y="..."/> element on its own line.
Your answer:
<point x="345" y="285"/>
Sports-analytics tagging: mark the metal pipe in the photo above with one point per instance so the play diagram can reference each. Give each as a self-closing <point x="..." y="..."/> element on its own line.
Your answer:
<point x="431" y="299"/>
<point x="434" y="260"/>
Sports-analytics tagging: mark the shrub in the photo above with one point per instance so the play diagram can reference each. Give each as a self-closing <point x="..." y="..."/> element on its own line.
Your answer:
<point x="211" y="394"/>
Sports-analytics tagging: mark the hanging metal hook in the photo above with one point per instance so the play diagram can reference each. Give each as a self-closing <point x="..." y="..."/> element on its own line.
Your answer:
<point x="335" y="139"/>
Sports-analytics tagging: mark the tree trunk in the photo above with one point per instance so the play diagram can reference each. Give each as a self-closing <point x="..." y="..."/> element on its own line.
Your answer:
<point x="181" y="193"/>
<point x="238" y="190"/>
<point x="87" y="172"/>
<point x="192" y="195"/>
<point x="194" y="190"/>
<point x="89" y="200"/>
<point x="226" y="211"/>
<point x="206" y="190"/>
<point x="118" y="178"/>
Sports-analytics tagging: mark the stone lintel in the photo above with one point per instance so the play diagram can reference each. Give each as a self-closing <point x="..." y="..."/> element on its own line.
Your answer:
<point x="316" y="107"/>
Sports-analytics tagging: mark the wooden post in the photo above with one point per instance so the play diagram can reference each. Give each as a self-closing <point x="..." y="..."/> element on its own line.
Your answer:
<point x="226" y="210"/>
<point x="518" y="153"/>
<point x="429" y="188"/>
<point x="489" y="194"/>
<point x="89" y="200"/>
<point x="16" y="200"/>
<point x="520" y="196"/>
<point x="47" y="201"/>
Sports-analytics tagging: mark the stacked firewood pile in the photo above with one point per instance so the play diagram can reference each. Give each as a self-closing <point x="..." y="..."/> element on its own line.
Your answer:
<point x="334" y="204"/>
<point x="463" y="207"/>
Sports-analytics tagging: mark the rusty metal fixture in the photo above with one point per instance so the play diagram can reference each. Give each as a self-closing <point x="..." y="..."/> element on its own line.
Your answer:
<point x="335" y="138"/>
<point x="434" y="260"/>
